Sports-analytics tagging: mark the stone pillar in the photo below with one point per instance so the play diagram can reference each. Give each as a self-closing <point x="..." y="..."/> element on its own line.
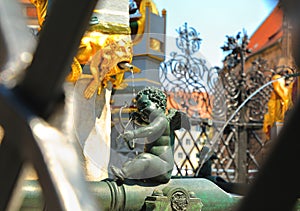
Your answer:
<point x="88" y="121"/>
<point x="113" y="11"/>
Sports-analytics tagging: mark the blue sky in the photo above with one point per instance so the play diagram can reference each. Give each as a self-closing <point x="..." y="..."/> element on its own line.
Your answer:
<point x="214" y="19"/>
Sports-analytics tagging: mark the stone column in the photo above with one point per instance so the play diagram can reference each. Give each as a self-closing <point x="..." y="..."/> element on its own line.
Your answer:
<point x="88" y="121"/>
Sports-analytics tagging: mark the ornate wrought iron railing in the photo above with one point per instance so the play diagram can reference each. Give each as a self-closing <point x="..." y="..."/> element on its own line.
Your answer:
<point x="211" y="96"/>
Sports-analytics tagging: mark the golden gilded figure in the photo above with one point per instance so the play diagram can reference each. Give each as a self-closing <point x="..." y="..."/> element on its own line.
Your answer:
<point x="41" y="9"/>
<point x="105" y="54"/>
<point x="105" y="47"/>
<point x="280" y="101"/>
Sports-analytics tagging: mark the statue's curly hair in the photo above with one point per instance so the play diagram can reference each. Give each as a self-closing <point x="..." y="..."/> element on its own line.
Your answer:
<point x="154" y="94"/>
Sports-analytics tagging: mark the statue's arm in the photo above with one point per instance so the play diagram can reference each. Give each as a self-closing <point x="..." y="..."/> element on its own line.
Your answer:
<point x="154" y="130"/>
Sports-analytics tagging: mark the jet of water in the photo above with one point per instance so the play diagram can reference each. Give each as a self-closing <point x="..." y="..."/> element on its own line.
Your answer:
<point x="215" y="140"/>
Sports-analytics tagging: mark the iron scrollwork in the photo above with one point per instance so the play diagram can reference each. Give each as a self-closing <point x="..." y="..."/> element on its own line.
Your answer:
<point x="240" y="84"/>
<point x="189" y="80"/>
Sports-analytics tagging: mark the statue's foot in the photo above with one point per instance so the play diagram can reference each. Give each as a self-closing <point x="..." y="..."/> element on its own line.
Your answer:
<point x="118" y="173"/>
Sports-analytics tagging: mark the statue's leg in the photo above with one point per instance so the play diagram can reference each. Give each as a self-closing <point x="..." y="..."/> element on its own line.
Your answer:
<point x="146" y="166"/>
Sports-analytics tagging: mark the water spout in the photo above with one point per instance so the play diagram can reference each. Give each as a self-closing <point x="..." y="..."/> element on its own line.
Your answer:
<point x="215" y="140"/>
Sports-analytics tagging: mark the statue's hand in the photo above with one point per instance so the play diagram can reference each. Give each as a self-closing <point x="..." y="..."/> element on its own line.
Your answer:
<point x="134" y="115"/>
<point x="137" y="119"/>
<point x="128" y="135"/>
<point x="93" y="87"/>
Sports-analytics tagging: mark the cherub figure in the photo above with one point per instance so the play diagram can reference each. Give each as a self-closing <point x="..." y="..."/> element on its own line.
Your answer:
<point x="156" y="163"/>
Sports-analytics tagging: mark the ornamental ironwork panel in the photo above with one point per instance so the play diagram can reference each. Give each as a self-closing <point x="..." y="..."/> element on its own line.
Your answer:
<point x="193" y="86"/>
<point x="226" y="105"/>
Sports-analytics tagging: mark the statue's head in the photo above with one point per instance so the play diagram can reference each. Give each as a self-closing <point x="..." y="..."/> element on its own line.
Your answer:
<point x="150" y="102"/>
<point x="152" y="94"/>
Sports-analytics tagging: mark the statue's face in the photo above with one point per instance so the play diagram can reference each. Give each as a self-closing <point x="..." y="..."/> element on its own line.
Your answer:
<point x="146" y="107"/>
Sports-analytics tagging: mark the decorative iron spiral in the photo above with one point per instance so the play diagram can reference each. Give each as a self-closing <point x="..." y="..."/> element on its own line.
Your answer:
<point x="240" y="84"/>
<point x="194" y="86"/>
